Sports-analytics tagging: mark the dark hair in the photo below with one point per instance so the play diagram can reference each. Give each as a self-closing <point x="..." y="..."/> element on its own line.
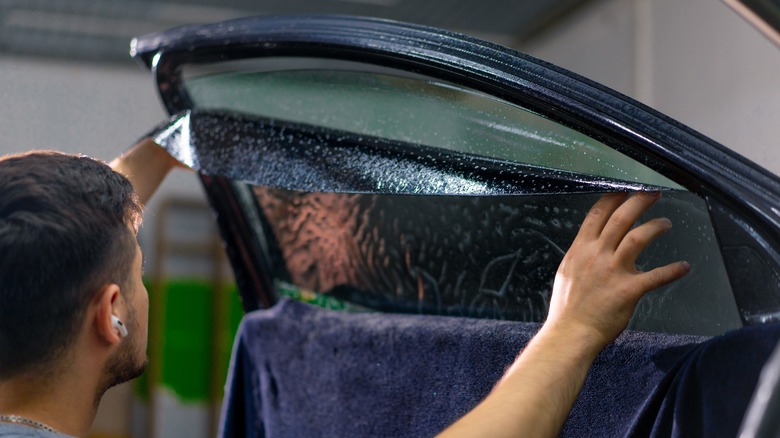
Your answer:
<point x="65" y="231"/>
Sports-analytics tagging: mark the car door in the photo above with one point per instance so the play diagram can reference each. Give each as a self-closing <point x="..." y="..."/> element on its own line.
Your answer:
<point x="371" y="165"/>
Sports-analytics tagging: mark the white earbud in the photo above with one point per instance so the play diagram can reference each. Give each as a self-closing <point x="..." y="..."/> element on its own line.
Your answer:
<point x="117" y="323"/>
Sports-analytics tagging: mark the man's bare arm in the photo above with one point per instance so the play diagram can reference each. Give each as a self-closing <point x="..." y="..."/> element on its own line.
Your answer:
<point x="594" y="295"/>
<point x="145" y="165"/>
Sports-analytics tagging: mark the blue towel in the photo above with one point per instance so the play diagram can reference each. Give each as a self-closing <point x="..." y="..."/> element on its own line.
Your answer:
<point x="301" y="371"/>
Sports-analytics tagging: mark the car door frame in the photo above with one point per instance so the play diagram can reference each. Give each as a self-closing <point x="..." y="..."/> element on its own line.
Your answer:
<point x="743" y="198"/>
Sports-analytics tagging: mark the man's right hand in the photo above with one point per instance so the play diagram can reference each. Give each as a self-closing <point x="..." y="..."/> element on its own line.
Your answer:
<point x="596" y="290"/>
<point x="597" y="285"/>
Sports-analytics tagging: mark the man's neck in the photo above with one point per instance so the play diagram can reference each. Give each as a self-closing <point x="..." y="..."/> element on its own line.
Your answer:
<point x="66" y="403"/>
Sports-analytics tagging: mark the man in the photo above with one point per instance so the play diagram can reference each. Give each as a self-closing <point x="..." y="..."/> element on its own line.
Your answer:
<point x="73" y="308"/>
<point x="594" y="295"/>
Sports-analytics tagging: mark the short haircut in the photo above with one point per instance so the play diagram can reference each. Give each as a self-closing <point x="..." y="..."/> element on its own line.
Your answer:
<point x="66" y="230"/>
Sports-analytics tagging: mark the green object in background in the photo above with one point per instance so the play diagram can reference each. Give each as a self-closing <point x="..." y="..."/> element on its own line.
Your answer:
<point x="187" y="335"/>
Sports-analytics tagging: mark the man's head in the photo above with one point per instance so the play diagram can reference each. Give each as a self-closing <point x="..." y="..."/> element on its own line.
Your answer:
<point x="67" y="230"/>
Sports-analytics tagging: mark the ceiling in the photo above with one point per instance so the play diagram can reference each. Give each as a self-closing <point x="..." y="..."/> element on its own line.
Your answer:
<point x="100" y="30"/>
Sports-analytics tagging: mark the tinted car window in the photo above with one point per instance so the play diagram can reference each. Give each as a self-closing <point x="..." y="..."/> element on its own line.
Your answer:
<point x="480" y="255"/>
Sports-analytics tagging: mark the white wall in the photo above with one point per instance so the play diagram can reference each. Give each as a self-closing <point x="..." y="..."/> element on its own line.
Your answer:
<point x="596" y="43"/>
<point x="74" y="107"/>
<point x="694" y="60"/>
<point x="93" y="109"/>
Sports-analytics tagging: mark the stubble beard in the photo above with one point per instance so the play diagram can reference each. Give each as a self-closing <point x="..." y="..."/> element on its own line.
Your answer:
<point x="125" y="365"/>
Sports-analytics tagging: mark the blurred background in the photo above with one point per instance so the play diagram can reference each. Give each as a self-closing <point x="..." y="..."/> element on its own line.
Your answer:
<point x="68" y="83"/>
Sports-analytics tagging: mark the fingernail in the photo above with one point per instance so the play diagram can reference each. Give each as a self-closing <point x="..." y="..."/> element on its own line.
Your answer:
<point x="667" y="222"/>
<point x="686" y="266"/>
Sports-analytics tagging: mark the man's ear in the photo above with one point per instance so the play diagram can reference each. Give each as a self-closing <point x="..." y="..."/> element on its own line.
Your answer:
<point x="108" y="301"/>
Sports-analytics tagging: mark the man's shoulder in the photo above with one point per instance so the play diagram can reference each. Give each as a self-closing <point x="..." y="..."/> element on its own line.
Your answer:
<point x="20" y="431"/>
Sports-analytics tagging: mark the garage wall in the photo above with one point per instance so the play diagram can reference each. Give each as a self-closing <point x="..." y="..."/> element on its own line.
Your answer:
<point x="91" y="108"/>
<point x="94" y="109"/>
<point x="696" y="61"/>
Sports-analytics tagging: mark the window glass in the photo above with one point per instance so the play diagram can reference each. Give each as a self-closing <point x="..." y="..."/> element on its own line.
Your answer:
<point x="486" y="257"/>
<point x="479" y="256"/>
